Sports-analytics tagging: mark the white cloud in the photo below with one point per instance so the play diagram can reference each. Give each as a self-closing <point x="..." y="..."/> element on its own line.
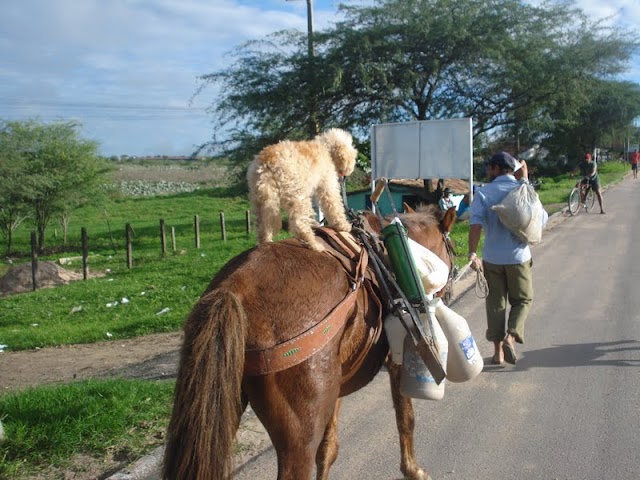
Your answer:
<point x="127" y="68"/>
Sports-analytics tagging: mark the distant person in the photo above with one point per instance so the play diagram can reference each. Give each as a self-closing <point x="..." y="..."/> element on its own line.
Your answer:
<point x="462" y="211"/>
<point x="445" y="202"/>
<point x="589" y="171"/>
<point x="633" y="158"/>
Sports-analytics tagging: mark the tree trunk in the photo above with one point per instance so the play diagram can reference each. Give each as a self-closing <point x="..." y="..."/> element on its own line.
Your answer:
<point x="41" y="230"/>
<point x="64" y="223"/>
<point x="432" y="195"/>
<point x="9" y="240"/>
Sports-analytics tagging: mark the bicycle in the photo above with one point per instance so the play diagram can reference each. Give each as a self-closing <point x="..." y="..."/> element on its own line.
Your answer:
<point x="582" y="195"/>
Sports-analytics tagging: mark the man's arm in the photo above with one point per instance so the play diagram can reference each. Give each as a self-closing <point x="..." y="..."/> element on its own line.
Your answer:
<point x="523" y="172"/>
<point x="475" y="231"/>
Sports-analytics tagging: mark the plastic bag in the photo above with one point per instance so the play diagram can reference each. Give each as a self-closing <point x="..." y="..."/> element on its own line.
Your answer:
<point x="522" y="213"/>
<point x="433" y="272"/>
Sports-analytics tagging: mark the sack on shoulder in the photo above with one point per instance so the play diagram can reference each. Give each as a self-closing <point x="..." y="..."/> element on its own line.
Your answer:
<point x="521" y="212"/>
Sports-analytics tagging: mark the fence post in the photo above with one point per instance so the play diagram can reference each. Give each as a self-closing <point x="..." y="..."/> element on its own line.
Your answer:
<point x="173" y="239"/>
<point x="129" y="248"/>
<point x="247" y="221"/>
<point x="163" y="238"/>
<point x="196" y="226"/>
<point x="34" y="260"/>
<point x="223" y="227"/>
<point x="85" y="253"/>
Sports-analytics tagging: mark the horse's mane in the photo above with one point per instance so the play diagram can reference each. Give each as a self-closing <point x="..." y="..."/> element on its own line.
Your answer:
<point x="424" y="215"/>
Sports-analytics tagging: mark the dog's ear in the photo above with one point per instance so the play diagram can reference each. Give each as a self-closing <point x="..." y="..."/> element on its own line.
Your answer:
<point x="339" y="144"/>
<point x="344" y="158"/>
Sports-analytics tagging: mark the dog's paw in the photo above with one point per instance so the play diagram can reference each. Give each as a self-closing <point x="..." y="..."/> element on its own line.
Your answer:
<point x="316" y="246"/>
<point x="342" y="226"/>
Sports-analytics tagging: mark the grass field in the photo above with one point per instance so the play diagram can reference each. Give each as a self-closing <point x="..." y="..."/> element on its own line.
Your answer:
<point x="51" y="426"/>
<point x="75" y="427"/>
<point x="174" y="282"/>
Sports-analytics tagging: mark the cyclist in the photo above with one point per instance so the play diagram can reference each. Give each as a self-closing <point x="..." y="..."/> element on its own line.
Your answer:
<point x="589" y="171"/>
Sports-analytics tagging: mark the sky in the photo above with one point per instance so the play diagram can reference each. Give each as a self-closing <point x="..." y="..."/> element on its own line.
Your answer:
<point x="127" y="70"/>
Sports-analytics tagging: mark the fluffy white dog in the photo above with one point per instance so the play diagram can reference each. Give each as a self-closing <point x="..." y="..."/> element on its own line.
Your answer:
<point x="289" y="173"/>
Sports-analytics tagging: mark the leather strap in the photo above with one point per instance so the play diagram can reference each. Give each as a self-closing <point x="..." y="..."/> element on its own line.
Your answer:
<point x="297" y="350"/>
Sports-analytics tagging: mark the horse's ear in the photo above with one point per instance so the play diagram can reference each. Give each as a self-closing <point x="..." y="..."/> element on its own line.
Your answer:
<point x="407" y="208"/>
<point x="373" y="221"/>
<point x="448" y="220"/>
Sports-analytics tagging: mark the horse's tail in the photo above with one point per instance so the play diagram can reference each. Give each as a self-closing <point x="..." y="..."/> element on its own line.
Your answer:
<point x="207" y="399"/>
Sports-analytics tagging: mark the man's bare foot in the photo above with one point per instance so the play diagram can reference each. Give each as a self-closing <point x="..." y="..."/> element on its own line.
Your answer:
<point x="509" y="350"/>
<point x="498" y="355"/>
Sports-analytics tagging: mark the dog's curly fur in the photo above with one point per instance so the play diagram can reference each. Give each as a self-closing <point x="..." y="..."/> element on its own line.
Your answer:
<point x="289" y="173"/>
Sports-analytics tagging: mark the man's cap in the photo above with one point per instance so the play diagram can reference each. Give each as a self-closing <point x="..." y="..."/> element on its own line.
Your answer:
<point x="587" y="155"/>
<point x="447" y="190"/>
<point x="504" y="160"/>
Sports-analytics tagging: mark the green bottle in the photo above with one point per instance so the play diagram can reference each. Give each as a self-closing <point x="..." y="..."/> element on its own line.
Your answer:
<point x="394" y="236"/>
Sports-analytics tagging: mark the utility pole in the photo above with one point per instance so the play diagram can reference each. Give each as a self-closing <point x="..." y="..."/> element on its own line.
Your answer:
<point x="310" y="28"/>
<point x="314" y="128"/>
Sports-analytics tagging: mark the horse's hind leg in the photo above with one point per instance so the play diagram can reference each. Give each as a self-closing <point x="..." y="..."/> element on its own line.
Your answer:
<point x="295" y="412"/>
<point x="406" y="423"/>
<point x="328" y="450"/>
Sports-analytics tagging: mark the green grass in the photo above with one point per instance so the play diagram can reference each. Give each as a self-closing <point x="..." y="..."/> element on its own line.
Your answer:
<point x="47" y="426"/>
<point x="555" y="190"/>
<point x="44" y="318"/>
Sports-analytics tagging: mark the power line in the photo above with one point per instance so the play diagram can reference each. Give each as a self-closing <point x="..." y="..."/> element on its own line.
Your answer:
<point x="13" y="103"/>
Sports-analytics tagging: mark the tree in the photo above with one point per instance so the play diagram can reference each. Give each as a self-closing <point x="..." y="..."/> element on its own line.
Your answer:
<point x="58" y="171"/>
<point x="501" y="62"/>
<point x="13" y="207"/>
<point x="608" y="112"/>
<point x="506" y="63"/>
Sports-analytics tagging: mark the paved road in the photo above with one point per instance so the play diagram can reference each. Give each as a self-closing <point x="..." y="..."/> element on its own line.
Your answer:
<point x="570" y="409"/>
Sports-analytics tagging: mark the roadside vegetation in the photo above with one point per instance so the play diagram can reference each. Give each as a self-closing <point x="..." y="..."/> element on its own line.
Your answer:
<point x="52" y="429"/>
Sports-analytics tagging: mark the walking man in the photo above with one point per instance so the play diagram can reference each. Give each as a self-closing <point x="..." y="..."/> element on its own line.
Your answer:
<point x="506" y="259"/>
<point x="633" y="158"/>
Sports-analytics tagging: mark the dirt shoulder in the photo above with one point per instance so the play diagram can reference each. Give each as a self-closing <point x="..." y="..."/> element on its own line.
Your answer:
<point x="149" y="357"/>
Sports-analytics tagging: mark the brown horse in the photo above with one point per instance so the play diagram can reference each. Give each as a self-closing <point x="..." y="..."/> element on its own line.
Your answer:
<point x="261" y="298"/>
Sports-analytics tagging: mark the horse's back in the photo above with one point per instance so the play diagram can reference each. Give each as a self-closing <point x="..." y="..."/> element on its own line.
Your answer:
<point x="284" y="287"/>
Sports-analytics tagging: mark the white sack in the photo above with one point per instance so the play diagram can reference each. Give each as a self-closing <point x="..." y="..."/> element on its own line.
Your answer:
<point x="522" y="213"/>
<point x="432" y="270"/>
